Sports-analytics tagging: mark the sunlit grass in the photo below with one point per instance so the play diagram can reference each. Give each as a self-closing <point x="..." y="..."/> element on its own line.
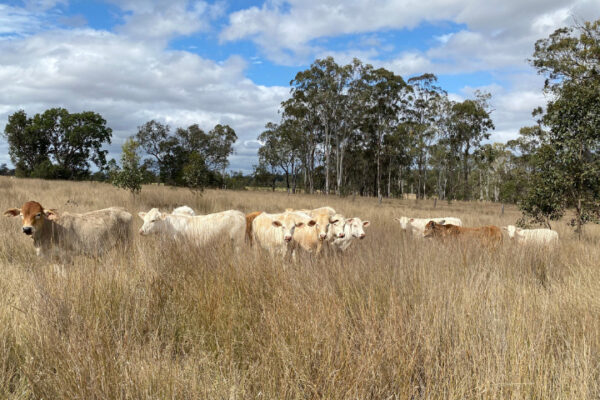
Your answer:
<point x="394" y="317"/>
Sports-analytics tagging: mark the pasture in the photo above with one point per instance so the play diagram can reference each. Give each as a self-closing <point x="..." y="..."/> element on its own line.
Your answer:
<point x="392" y="318"/>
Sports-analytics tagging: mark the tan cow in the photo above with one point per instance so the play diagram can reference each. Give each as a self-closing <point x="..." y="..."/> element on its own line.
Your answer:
<point x="312" y="238"/>
<point x="275" y="232"/>
<point x="91" y="233"/>
<point x="487" y="235"/>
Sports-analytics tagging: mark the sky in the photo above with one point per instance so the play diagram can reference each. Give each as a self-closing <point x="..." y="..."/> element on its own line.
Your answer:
<point x="186" y="62"/>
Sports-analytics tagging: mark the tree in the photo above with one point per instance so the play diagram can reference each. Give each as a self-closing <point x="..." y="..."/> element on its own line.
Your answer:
<point x="195" y="172"/>
<point x="470" y="122"/>
<point x="570" y="147"/>
<point x="422" y="113"/>
<point x="57" y="141"/>
<point x="130" y="176"/>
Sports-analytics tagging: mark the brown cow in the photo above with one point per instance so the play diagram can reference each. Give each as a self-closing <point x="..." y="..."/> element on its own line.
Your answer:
<point x="488" y="235"/>
<point x="91" y="233"/>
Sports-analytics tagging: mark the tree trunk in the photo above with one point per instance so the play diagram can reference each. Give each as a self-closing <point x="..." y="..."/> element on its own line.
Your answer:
<point x="389" y="182"/>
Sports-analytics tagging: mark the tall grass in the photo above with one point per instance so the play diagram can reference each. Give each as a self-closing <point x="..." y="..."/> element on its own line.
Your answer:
<point x="393" y="317"/>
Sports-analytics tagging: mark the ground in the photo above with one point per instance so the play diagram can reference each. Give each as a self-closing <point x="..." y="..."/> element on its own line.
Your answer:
<point x="392" y="318"/>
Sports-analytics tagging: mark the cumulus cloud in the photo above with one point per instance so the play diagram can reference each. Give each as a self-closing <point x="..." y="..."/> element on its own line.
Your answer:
<point x="130" y="82"/>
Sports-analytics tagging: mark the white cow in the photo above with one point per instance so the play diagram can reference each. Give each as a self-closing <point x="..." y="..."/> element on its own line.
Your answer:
<point x="275" y="232"/>
<point x="546" y="237"/>
<point x="183" y="210"/>
<point x="416" y="226"/>
<point x="353" y="229"/>
<point x="200" y="228"/>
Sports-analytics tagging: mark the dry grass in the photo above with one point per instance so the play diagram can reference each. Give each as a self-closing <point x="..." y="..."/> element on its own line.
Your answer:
<point x="392" y="318"/>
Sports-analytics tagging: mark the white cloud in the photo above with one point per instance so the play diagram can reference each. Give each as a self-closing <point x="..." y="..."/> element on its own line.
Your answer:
<point x="165" y="19"/>
<point x="498" y="34"/>
<point x="130" y="82"/>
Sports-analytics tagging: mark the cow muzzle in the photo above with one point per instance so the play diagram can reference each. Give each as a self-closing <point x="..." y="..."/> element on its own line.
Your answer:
<point x="322" y="236"/>
<point x="341" y="235"/>
<point x="287" y="238"/>
<point x="362" y="236"/>
<point x="28" y="230"/>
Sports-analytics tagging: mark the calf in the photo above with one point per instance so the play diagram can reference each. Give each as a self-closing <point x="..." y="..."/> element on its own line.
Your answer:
<point x="312" y="239"/>
<point x="91" y="233"/>
<point x="489" y="235"/>
<point x="545" y="237"/>
<point x="416" y="226"/>
<point x="353" y="229"/>
<point x="275" y="232"/>
<point x="200" y="228"/>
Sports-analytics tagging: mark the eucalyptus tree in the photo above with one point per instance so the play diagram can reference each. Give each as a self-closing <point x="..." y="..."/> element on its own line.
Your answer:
<point x="384" y="100"/>
<point x="570" y="148"/>
<point x="422" y="114"/>
<point x="323" y="86"/>
<point x="470" y="123"/>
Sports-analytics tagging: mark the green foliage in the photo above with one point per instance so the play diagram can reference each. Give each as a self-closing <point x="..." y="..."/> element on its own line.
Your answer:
<point x="195" y="172"/>
<point x="130" y="176"/>
<point x="56" y="143"/>
<point x="568" y="158"/>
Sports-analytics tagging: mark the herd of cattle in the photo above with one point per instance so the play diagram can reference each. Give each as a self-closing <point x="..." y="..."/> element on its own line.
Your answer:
<point x="281" y="234"/>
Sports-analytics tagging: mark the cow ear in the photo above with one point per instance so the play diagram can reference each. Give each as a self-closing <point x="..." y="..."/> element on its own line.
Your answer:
<point x="412" y="220"/>
<point x="276" y="223"/>
<point x="299" y="224"/>
<point x="312" y="222"/>
<point x="442" y="222"/>
<point x="366" y="223"/>
<point x="504" y="228"/>
<point x="141" y="214"/>
<point x="349" y="220"/>
<point x="397" y="219"/>
<point x="50" y="214"/>
<point x="333" y="221"/>
<point x="12" y="212"/>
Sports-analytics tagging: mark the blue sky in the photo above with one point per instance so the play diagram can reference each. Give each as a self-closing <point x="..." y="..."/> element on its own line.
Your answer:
<point x="209" y="62"/>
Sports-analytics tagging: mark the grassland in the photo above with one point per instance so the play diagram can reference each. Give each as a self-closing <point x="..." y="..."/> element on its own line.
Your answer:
<point x="393" y="318"/>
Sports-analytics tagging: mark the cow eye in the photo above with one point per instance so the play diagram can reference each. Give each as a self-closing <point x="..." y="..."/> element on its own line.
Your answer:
<point x="38" y="215"/>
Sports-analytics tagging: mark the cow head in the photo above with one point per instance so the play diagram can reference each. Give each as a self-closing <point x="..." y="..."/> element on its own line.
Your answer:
<point x="324" y="224"/>
<point x="154" y="221"/>
<point x="33" y="215"/>
<point x="512" y="231"/>
<point x="404" y="222"/>
<point x="289" y="221"/>
<point x="356" y="227"/>
<point x="336" y="230"/>
<point x="433" y="229"/>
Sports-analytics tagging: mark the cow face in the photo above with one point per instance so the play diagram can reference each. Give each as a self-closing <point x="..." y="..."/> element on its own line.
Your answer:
<point x="33" y="216"/>
<point x="404" y="222"/>
<point x="512" y="231"/>
<point x="356" y="227"/>
<point x="288" y="222"/>
<point x="154" y="221"/>
<point x="433" y="229"/>
<point x="336" y="230"/>
<point x="323" y="225"/>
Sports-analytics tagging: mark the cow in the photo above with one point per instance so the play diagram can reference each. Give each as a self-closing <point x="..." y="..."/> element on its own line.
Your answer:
<point x="310" y="238"/>
<point x="546" y="237"/>
<point x="92" y="233"/>
<point x="275" y="232"/>
<point x="200" y="228"/>
<point x="416" y="226"/>
<point x="353" y="229"/>
<point x="183" y="210"/>
<point x="488" y="235"/>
